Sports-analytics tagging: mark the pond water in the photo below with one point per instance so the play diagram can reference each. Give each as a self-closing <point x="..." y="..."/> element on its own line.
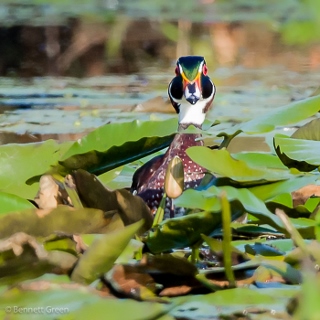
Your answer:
<point x="68" y="68"/>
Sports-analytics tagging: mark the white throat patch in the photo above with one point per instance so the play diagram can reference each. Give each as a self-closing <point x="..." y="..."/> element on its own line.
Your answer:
<point x="192" y="114"/>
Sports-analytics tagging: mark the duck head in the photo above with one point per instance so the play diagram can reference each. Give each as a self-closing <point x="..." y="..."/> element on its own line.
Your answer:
<point x="191" y="91"/>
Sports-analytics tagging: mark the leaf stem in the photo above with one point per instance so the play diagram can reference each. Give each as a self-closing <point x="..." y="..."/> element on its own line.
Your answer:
<point x="227" y="237"/>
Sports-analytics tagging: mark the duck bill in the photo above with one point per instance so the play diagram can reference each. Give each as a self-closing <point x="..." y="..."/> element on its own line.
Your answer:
<point x="191" y="89"/>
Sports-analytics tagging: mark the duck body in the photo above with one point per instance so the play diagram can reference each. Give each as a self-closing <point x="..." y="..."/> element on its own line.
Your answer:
<point x="154" y="172"/>
<point x="191" y="93"/>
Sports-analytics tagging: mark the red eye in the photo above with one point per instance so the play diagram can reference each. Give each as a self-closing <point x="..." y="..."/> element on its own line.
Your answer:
<point x="177" y="70"/>
<point x="204" y="70"/>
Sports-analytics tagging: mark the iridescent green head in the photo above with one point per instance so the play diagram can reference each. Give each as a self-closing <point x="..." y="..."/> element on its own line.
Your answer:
<point x="191" y="91"/>
<point x="190" y="67"/>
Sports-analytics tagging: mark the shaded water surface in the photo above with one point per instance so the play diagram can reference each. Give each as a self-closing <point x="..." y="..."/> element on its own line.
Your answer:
<point x="69" y="69"/>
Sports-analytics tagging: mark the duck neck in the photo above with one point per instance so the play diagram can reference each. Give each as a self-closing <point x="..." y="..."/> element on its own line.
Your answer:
<point x="184" y="126"/>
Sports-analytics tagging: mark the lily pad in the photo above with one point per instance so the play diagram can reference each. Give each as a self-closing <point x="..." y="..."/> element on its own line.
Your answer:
<point x="10" y="202"/>
<point x="103" y="252"/>
<point x="94" y="195"/>
<point x="26" y="160"/>
<point x="268" y="192"/>
<point x="282" y="116"/>
<point x="79" y="302"/>
<point x="42" y="223"/>
<point x="242" y="200"/>
<point x="228" y="302"/>
<point x="20" y="251"/>
<point x="222" y="163"/>
<point x="116" y="144"/>
<point x="298" y="153"/>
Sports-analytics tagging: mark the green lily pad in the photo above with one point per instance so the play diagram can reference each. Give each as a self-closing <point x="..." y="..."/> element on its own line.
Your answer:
<point x="43" y="223"/>
<point x="259" y="159"/>
<point x="297" y="153"/>
<point x="222" y="163"/>
<point x="286" y="115"/>
<point x="268" y="192"/>
<point x="23" y="161"/>
<point x="111" y="146"/>
<point x="103" y="252"/>
<point x="262" y="249"/>
<point x="77" y="303"/>
<point x="284" y="202"/>
<point x="182" y="231"/>
<point x="116" y="134"/>
<point x="116" y="144"/>
<point x="21" y="250"/>
<point x="280" y="270"/>
<point x="10" y="202"/>
<point x="228" y="302"/>
<point x="239" y="198"/>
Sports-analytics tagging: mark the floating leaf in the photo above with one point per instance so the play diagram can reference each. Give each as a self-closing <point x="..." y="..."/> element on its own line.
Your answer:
<point x="110" y="146"/>
<point x="10" y="202"/>
<point x="20" y="251"/>
<point x="254" y="231"/>
<point x="128" y="281"/>
<point x="116" y="134"/>
<point x="182" y="231"/>
<point x="297" y="153"/>
<point x="222" y="163"/>
<point x="103" y="252"/>
<point x="94" y="195"/>
<point x="42" y="223"/>
<point x="230" y="302"/>
<point x="24" y="161"/>
<point x="99" y="162"/>
<point x="277" y="271"/>
<point x="79" y="302"/>
<point x="282" y="116"/>
<point x="269" y="191"/>
<point x="259" y="159"/>
<point x="242" y="201"/>
<point x="263" y="250"/>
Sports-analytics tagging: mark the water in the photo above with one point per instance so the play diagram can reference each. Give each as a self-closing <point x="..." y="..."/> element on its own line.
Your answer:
<point x="69" y="68"/>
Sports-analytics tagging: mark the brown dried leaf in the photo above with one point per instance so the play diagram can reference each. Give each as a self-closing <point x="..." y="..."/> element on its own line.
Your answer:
<point x="128" y="280"/>
<point x="176" y="276"/>
<point x="21" y="251"/>
<point x="51" y="193"/>
<point x="62" y="219"/>
<point x="175" y="291"/>
<point x="93" y="194"/>
<point x="301" y="195"/>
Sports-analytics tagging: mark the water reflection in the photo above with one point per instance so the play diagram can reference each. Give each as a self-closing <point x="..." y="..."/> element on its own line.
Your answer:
<point x="260" y="55"/>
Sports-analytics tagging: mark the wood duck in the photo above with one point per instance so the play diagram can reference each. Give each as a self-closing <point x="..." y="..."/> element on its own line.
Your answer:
<point x="191" y="93"/>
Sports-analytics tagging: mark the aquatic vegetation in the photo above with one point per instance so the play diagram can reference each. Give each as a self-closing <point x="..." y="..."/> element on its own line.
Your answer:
<point x="86" y="242"/>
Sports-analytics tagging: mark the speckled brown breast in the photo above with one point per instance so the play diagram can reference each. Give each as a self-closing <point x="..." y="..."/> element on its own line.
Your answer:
<point x="148" y="181"/>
